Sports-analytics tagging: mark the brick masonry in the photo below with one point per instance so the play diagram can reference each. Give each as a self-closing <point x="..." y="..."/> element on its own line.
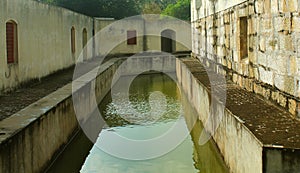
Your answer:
<point x="271" y="68"/>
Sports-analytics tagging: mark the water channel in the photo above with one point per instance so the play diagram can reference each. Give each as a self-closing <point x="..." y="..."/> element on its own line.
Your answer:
<point x="155" y="113"/>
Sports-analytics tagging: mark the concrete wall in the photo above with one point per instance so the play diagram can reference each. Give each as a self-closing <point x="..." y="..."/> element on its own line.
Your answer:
<point x="44" y="40"/>
<point x="272" y="65"/>
<point x="112" y="34"/>
<point x="281" y="160"/>
<point x="241" y="150"/>
<point x="33" y="136"/>
<point x="154" y="28"/>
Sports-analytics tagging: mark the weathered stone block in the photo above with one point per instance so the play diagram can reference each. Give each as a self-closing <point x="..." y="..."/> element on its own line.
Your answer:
<point x="271" y="44"/>
<point x="292" y="105"/>
<point x="252" y="25"/>
<point x="235" y="78"/>
<point x="296" y="24"/>
<point x="253" y="56"/>
<point x="235" y="66"/>
<point x="251" y="9"/>
<point x="245" y="69"/>
<point x="292" y="65"/>
<point x="224" y="61"/>
<point x="249" y="85"/>
<point x="262" y="44"/>
<point x="235" y="56"/>
<point x="221" y="31"/>
<point x="283" y="6"/>
<point x="251" y="72"/>
<point x="282" y="23"/>
<point x="229" y="64"/>
<point x="259" y="6"/>
<point x="266" y="76"/>
<point x="292" y="6"/>
<point x="221" y="51"/>
<point x="266" y="23"/>
<point x="267" y="7"/>
<point x="240" y="81"/>
<point x="257" y="88"/>
<point x="243" y="11"/>
<point x="226" y="18"/>
<point x="285" y="83"/>
<point x="274" y="6"/>
<point x="278" y="63"/>
<point x="221" y="40"/>
<point x="227" y="42"/>
<point x="275" y="95"/>
<point x="266" y="93"/>
<point x="239" y="68"/>
<point x="219" y="59"/>
<point x="256" y="73"/>
<point x="282" y="100"/>
<point x="262" y="59"/>
<point x="286" y="42"/>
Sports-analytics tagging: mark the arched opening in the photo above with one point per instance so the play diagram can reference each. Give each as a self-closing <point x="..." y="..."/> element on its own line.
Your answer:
<point x="11" y="42"/>
<point x="168" y="43"/>
<point x="73" y="40"/>
<point x="84" y="42"/>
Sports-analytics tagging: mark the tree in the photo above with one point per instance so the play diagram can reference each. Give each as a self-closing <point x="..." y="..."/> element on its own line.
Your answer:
<point x="99" y="8"/>
<point x="125" y="8"/>
<point x="181" y="10"/>
<point x="151" y="8"/>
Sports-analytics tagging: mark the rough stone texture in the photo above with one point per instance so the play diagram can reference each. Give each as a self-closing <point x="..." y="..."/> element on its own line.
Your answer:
<point x="251" y="126"/>
<point x="292" y="106"/>
<point x="273" y="46"/>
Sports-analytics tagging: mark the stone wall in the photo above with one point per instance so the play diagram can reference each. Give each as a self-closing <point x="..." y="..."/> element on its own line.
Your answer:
<point x="270" y="66"/>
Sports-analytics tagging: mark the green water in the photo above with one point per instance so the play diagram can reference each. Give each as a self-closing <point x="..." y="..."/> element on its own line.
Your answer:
<point x="154" y="137"/>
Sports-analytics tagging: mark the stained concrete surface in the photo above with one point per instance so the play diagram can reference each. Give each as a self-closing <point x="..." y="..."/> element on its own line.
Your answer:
<point x="275" y="129"/>
<point x="31" y="92"/>
<point x="271" y="124"/>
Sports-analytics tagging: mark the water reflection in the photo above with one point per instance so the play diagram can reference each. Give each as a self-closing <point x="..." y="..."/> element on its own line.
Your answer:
<point x="178" y="160"/>
<point x="187" y="157"/>
<point x="206" y="157"/>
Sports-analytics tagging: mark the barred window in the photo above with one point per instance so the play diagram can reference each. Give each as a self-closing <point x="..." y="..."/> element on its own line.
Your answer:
<point x="11" y="42"/>
<point x="131" y="37"/>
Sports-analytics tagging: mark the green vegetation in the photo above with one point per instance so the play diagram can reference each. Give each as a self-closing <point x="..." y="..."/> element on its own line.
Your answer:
<point x="124" y="8"/>
<point x="180" y="10"/>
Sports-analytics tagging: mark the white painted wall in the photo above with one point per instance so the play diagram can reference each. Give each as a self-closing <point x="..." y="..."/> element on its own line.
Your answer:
<point x="44" y="39"/>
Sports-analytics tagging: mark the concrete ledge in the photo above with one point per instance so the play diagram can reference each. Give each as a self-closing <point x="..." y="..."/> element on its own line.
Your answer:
<point x="30" y="138"/>
<point x="254" y="135"/>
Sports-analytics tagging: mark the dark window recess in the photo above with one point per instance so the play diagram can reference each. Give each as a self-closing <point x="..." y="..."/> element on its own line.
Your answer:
<point x="131" y="37"/>
<point x="73" y="40"/>
<point x="11" y="42"/>
<point x="243" y="37"/>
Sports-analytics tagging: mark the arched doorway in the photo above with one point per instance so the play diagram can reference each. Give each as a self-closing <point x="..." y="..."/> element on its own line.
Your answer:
<point x="168" y="43"/>
<point x="84" y="42"/>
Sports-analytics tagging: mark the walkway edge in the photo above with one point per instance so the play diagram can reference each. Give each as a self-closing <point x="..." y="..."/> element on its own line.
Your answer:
<point x="241" y="150"/>
<point x="30" y="138"/>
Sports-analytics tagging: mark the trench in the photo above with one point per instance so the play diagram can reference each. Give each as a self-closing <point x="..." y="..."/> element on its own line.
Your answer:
<point x="155" y="110"/>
